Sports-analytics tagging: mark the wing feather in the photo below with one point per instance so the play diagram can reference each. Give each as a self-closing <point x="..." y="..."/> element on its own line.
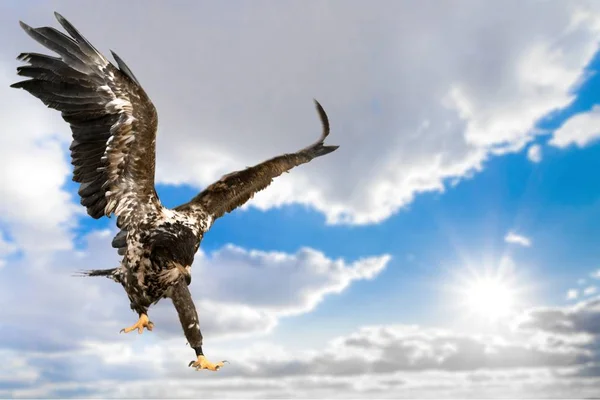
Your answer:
<point x="112" y="120"/>
<point x="235" y="189"/>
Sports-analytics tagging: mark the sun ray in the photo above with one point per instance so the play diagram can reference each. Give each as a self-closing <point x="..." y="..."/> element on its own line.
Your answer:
<point x="486" y="294"/>
<point x="490" y="297"/>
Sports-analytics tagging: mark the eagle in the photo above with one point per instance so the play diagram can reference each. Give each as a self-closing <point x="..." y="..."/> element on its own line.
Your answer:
<point x="114" y="125"/>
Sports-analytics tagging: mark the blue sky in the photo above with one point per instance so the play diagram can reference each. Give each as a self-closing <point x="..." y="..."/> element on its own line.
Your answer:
<point x="447" y="249"/>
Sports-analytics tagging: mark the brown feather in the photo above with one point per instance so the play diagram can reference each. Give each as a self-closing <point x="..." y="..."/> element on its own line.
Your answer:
<point x="235" y="189"/>
<point x="112" y="119"/>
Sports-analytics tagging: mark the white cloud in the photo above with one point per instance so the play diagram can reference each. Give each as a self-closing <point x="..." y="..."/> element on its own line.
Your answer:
<point x="572" y="294"/>
<point x="534" y="153"/>
<point x="595" y="274"/>
<point x="498" y="384"/>
<point x="550" y="350"/>
<point x="16" y="370"/>
<point x="283" y="282"/>
<point x="392" y="360"/>
<point x="237" y="291"/>
<point x="246" y="292"/>
<point x="581" y="318"/>
<point x="580" y="130"/>
<point x="530" y="77"/>
<point x="407" y="125"/>
<point x="590" y="290"/>
<point x="37" y="209"/>
<point x="514" y="238"/>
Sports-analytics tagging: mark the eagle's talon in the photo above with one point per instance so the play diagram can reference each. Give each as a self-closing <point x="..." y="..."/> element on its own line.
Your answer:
<point x="142" y="323"/>
<point x="203" y="363"/>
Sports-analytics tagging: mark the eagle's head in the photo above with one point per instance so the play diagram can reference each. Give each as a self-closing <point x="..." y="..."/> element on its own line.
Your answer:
<point x="174" y="246"/>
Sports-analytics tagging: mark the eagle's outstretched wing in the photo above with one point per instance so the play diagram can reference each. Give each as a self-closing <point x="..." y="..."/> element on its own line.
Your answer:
<point x="234" y="189"/>
<point x="112" y="119"/>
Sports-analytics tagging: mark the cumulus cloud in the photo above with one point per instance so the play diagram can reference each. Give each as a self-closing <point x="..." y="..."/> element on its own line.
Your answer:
<point x="503" y="384"/>
<point x="67" y="333"/>
<point x="35" y="206"/>
<point x="242" y="291"/>
<point x="15" y="369"/>
<point x="590" y="290"/>
<point x="407" y="124"/>
<point x="579" y="130"/>
<point x="237" y="291"/>
<point x="514" y="238"/>
<point x="534" y="153"/>
<point x="550" y="350"/>
<point x="399" y="360"/>
<point x="289" y="283"/>
<point x="389" y="349"/>
<point x="572" y="294"/>
<point x="584" y="317"/>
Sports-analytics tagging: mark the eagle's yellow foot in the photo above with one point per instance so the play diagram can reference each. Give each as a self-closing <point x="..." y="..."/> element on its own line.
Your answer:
<point x="203" y="363"/>
<point x="142" y="323"/>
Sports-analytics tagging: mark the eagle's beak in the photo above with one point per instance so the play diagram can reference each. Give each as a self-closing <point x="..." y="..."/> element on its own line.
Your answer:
<point x="188" y="276"/>
<point x="186" y="272"/>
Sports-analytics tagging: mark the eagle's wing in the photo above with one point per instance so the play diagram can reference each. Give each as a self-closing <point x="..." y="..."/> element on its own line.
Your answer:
<point x="112" y="119"/>
<point x="234" y="189"/>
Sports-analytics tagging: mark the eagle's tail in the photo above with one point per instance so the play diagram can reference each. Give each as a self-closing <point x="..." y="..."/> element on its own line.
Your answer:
<point x="112" y="273"/>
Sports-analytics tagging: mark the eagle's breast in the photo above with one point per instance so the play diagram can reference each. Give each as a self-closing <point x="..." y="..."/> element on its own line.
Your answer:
<point x="155" y="248"/>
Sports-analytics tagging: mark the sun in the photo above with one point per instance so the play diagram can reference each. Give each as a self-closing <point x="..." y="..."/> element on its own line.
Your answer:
<point x="488" y="292"/>
<point x="490" y="297"/>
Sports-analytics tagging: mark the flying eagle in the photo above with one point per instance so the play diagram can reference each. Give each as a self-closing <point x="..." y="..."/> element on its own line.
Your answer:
<point x="113" y="153"/>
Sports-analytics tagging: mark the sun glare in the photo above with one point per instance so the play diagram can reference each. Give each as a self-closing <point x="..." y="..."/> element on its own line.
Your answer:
<point x="489" y="297"/>
<point x="489" y="292"/>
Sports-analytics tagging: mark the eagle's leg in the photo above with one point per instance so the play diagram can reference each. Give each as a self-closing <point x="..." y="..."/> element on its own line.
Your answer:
<point x="142" y="323"/>
<point x="203" y="363"/>
<point x="182" y="300"/>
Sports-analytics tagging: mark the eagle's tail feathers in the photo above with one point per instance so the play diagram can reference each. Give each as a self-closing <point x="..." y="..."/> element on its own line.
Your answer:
<point x="112" y="273"/>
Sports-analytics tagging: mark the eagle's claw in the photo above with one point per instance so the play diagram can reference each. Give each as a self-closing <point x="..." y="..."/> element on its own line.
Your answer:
<point x="203" y="363"/>
<point x="142" y="323"/>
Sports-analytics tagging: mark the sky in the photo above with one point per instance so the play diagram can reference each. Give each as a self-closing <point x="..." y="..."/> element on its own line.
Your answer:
<point x="447" y="249"/>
